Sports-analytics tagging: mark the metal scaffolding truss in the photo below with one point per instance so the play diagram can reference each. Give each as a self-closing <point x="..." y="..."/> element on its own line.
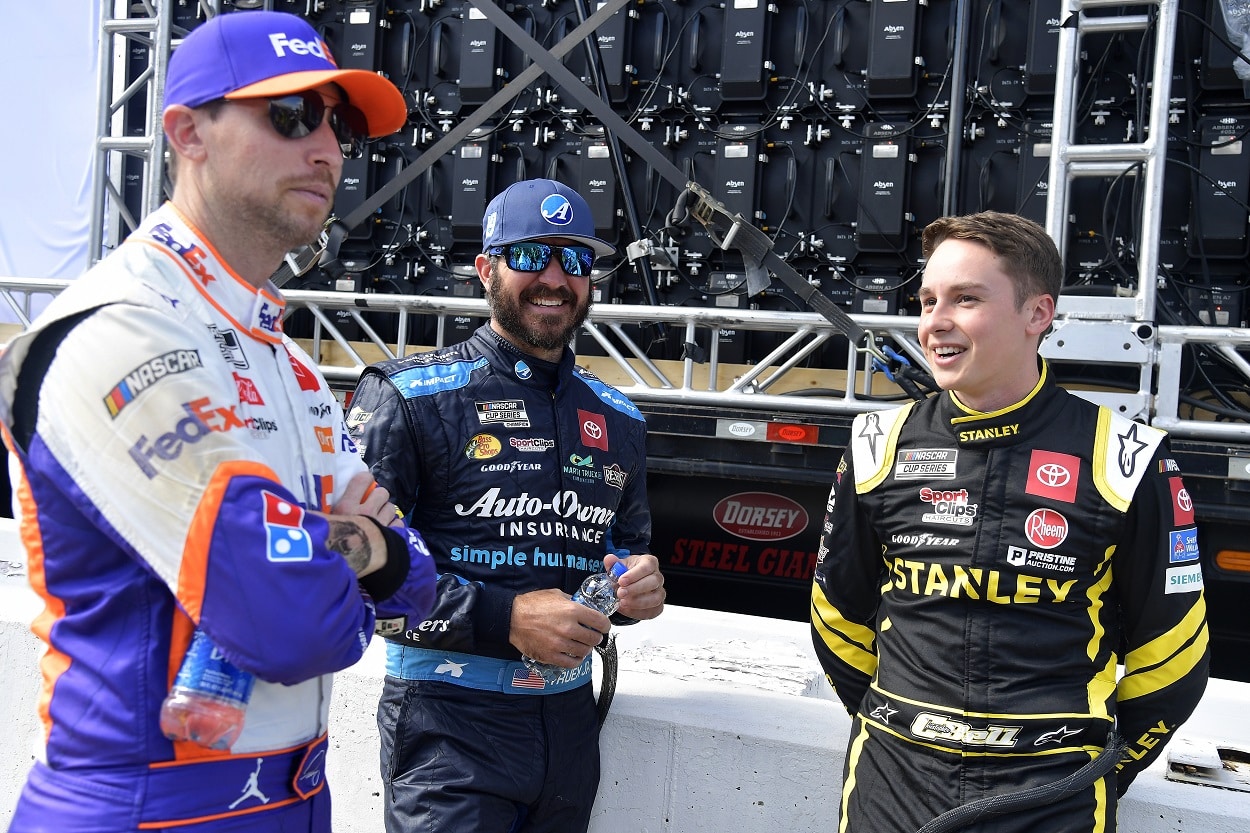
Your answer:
<point x="135" y="42"/>
<point x="768" y="385"/>
<point x="1146" y="159"/>
<point x="137" y="37"/>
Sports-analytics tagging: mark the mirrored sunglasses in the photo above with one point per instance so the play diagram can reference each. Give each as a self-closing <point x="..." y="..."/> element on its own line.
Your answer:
<point x="299" y="114"/>
<point x="532" y="256"/>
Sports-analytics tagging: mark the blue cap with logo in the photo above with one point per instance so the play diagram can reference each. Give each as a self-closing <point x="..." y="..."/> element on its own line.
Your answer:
<point x="537" y="208"/>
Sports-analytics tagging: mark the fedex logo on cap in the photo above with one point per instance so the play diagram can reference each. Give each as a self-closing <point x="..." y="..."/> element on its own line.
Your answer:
<point x="281" y="43"/>
<point x="556" y="210"/>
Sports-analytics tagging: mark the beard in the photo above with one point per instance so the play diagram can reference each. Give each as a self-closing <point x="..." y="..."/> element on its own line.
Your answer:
<point x="545" y="334"/>
<point x="266" y="221"/>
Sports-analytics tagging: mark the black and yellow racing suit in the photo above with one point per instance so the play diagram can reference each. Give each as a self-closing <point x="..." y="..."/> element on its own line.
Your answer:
<point x="980" y="578"/>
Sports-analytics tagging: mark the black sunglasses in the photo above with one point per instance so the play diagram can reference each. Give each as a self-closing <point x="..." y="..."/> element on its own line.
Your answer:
<point x="299" y="114"/>
<point x="532" y="256"/>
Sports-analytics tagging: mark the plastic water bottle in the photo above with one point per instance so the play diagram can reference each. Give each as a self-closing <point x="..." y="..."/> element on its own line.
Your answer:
<point x="209" y="697"/>
<point x="597" y="592"/>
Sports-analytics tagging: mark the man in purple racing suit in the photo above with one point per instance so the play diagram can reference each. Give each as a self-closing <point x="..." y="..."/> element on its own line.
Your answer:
<point x="181" y="463"/>
<point x="526" y="474"/>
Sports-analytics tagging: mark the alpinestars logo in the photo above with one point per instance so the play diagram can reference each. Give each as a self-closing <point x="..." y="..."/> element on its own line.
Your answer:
<point x="1130" y="447"/>
<point x="870" y="432"/>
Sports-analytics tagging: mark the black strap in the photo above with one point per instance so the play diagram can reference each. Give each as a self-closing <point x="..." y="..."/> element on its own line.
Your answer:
<point x="30" y="378"/>
<point x="1014" y="802"/>
<point x="385" y="582"/>
<point x="607" y="685"/>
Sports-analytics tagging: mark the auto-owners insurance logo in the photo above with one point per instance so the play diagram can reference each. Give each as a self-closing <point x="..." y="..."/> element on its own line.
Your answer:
<point x="760" y="516"/>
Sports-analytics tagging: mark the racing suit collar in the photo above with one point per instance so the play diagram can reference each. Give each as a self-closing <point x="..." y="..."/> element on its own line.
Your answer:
<point x="258" y="312"/>
<point x="1006" y="426"/>
<point x="526" y="368"/>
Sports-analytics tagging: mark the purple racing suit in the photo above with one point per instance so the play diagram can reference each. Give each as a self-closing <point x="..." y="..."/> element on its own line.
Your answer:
<point x="174" y="447"/>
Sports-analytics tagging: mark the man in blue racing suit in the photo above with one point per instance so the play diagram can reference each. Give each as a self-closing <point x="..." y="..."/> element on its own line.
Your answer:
<point x="525" y="474"/>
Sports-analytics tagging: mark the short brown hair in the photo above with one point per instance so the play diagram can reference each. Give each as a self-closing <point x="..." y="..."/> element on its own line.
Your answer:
<point x="1028" y="255"/>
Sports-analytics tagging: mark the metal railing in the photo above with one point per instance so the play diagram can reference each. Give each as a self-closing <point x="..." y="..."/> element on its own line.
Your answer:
<point x="768" y="384"/>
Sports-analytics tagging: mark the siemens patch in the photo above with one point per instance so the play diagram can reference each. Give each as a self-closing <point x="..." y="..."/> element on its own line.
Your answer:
<point x="1184" y="579"/>
<point x="148" y="374"/>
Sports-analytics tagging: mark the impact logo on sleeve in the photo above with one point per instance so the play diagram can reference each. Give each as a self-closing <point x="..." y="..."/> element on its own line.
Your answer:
<point x="284" y="529"/>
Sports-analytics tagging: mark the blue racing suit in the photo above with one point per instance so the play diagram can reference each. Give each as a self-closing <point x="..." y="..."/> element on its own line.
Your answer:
<point x="521" y="476"/>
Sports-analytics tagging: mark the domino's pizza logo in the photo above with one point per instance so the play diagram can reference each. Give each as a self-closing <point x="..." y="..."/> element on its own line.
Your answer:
<point x="557" y="210"/>
<point x="284" y="530"/>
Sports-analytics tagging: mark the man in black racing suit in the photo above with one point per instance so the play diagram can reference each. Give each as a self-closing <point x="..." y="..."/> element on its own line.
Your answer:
<point x="525" y="475"/>
<point x="991" y="554"/>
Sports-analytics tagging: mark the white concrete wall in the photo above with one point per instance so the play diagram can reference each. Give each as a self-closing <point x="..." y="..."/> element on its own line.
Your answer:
<point x="720" y="722"/>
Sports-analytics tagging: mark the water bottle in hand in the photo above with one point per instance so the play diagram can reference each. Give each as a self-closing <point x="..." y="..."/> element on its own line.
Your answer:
<point x="597" y="592"/>
<point x="209" y="697"/>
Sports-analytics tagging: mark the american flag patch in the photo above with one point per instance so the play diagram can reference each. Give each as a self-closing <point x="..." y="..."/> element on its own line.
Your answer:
<point x="525" y="678"/>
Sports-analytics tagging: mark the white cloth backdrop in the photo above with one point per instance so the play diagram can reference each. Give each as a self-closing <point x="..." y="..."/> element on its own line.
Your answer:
<point x="49" y="51"/>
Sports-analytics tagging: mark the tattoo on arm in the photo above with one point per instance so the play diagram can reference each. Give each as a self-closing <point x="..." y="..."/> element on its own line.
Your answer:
<point x="348" y="539"/>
